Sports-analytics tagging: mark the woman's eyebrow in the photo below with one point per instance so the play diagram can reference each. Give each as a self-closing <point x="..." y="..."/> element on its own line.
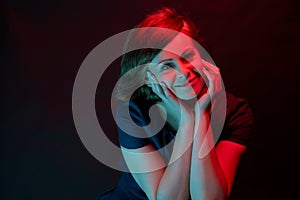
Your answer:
<point x="188" y="50"/>
<point x="168" y="59"/>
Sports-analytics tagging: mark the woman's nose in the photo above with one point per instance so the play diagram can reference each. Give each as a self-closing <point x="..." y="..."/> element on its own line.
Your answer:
<point x="183" y="69"/>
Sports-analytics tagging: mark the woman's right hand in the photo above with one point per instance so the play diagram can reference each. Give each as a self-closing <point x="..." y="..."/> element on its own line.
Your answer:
<point x="176" y="109"/>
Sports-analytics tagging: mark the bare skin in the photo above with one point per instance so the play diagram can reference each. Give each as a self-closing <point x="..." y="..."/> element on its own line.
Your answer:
<point x="202" y="170"/>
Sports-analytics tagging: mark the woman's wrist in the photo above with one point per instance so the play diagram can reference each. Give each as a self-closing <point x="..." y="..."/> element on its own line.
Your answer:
<point x="202" y="114"/>
<point x="187" y="119"/>
<point x="201" y="125"/>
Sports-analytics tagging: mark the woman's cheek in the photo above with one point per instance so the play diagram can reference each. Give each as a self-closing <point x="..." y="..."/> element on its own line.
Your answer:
<point x="163" y="77"/>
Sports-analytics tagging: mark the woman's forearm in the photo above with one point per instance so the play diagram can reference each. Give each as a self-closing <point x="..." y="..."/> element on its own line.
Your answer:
<point x="207" y="180"/>
<point x="175" y="181"/>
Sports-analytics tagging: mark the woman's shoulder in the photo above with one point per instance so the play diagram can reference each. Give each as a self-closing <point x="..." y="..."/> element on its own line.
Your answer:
<point x="237" y="105"/>
<point x="239" y="120"/>
<point x="130" y="122"/>
<point x="133" y="110"/>
<point x="233" y="99"/>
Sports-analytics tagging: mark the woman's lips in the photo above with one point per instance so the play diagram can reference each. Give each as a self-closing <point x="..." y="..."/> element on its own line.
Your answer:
<point x="187" y="83"/>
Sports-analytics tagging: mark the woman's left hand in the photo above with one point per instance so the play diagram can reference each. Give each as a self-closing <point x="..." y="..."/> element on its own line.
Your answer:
<point x="206" y="103"/>
<point x="214" y="86"/>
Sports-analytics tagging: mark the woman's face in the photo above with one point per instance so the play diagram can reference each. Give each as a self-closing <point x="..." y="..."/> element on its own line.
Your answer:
<point x="180" y="71"/>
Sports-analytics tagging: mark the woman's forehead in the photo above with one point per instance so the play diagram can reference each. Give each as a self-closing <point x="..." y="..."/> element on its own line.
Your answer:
<point x="176" y="48"/>
<point x="179" y="44"/>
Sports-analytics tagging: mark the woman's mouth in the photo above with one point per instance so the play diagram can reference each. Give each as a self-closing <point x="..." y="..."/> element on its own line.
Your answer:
<point x="187" y="83"/>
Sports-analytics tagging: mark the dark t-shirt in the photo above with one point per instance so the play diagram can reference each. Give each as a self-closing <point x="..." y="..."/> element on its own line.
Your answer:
<point x="237" y="128"/>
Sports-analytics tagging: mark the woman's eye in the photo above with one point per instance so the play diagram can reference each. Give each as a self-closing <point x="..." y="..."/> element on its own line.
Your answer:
<point x="166" y="66"/>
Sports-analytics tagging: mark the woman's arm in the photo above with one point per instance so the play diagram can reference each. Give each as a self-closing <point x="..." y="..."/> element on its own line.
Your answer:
<point x="212" y="173"/>
<point x="207" y="178"/>
<point x="213" y="167"/>
<point x="172" y="181"/>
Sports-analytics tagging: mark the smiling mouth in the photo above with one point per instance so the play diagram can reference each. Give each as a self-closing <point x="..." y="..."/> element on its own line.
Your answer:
<point x="187" y="83"/>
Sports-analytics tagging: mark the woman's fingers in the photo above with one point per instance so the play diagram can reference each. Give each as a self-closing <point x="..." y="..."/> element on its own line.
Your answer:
<point x="216" y="84"/>
<point x="213" y="77"/>
<point x="214" y="74"/>
<point x="218" y="80"/>
<point x="160" y="89"/>
<point x="167" y="92"/>
<point x="210" y="66"/>
<point x="164" y="89"/>
<point x="210" y="77"/>
<point x="156" y="88"/>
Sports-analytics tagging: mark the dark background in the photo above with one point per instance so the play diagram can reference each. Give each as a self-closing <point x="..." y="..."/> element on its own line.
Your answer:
<point x="43" y="43"/>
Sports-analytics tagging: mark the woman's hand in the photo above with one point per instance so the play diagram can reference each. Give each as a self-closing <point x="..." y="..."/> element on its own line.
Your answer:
<point x="177" y="111"/>
<point x="214" y="84"/>
<point x="213" y="97"/>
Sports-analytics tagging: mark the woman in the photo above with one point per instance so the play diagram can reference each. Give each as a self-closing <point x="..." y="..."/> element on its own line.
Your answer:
<point x="186" y="86"/>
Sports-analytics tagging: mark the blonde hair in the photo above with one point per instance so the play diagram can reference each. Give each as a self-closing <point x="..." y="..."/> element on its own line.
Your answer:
<point x="133" y="70"/>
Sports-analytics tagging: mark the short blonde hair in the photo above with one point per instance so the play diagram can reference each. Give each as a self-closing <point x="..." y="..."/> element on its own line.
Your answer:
<point x="133" y="70"/>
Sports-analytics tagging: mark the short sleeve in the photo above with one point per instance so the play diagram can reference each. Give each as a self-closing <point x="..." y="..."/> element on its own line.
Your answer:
<point x="239" y="121"/>
<point x="130" y="132"/>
